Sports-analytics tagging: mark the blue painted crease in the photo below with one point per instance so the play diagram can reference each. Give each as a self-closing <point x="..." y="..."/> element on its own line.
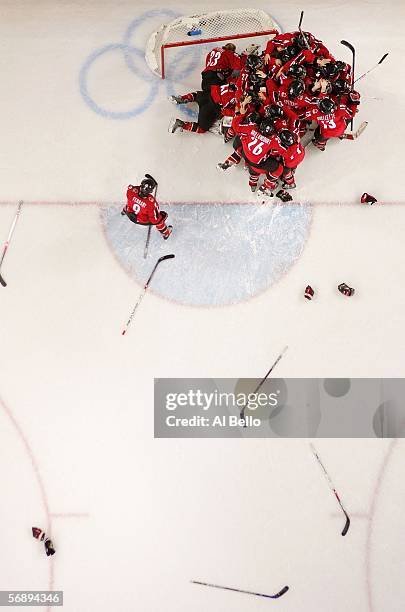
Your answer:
<point x="225" y="253"/>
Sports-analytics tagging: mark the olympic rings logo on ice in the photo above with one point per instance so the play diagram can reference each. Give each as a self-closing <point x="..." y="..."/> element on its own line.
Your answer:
<point x="134" y="58"/>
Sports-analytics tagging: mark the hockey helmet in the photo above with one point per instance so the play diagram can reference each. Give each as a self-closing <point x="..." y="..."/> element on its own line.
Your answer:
<point x="266" y="127"/>
<point x="298" y="71"/>
<point x="326" y="106"/>
<point x="254" y="118"/>
<point x="253" y="62"/>
<point x="329" y="71"/>
<point x="286" y="138"/>
<point x="273" y="111"/>
<point x="340" y="86"/>
<point x="296" y="89"/>
<point x="147" y="186"/>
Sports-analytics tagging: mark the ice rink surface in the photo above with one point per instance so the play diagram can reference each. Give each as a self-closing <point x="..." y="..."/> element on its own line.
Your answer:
<point x="134" y="519"/>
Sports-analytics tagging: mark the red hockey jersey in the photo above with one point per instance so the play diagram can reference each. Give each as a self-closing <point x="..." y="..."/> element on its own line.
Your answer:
<point x="145" y="209"/>
<point x="256" y="147"/>
<point x="222" y="60"/>
<point x="225" y="97"/>
<point x="291" y="156"/>
<point x="332" y="125"/>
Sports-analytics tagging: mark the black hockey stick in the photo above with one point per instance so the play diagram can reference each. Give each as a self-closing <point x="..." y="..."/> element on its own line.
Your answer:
<point x="217" y="586"/>
<point x="242" y="412"/>
<point x="367" y="71"/>
<point x="301" y="32"/>
<point x="328" y="478"/>
<point x="353" y="51"/>
<point x="146" y="249"/>
<point x="301" y="18"/>
<point x="7" y="243"/>
<point x="144" y="290"/>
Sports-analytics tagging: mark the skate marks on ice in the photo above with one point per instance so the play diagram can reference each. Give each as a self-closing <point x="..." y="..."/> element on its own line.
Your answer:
<point x="30" y="486"/>
<point x="382" y="520"/>
<point x="34" y="491"/>
<point x="225" y="254"/>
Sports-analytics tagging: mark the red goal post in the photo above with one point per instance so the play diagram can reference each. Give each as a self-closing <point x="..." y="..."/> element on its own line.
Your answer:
<point x="218" y="26"/>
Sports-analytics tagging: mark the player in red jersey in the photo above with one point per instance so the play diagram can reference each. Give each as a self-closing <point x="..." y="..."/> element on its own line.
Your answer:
<point x="225" y="97"/>
<point x="288" y="148"/>
<point x="312" y="63"/>
<point x="278" y="43"/>
<point x="256" y="144"/>
<point x="219" y="63"/>
<point x="332" y="119"/>
<point x="283" y="118"/>
<point x="291" y="94"/>
<point x="343" y="94"/>
<point x="284" y="147"/>
<point x="333" y="71"/>
<point x="143" y="209"/>
<point x="251" y="64"/>
<point x="300" y="40"/>
<point x="220" y="101"/>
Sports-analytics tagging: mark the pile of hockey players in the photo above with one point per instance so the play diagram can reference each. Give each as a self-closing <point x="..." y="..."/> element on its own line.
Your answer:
<point x="267" y="102"/>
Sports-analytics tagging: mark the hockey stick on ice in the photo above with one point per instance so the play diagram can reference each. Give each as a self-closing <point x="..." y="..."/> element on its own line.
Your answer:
<point x="356" y="134"/>
<point x="353" y="52"/>
<point x="367" y="71"/>
<point x="144" y="291"/>
<point x="7" y="243"/>
<point x="217" y="586"/>
<point x="347" y="524"/>
<point x="146" y="249"/>
<point x="242" y="412"/>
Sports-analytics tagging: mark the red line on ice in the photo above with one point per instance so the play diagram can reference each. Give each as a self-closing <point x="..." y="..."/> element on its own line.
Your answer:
<point x="39" y="479"/>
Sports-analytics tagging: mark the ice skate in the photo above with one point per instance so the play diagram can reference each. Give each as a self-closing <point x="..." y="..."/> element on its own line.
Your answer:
<point x="176" y="125"/>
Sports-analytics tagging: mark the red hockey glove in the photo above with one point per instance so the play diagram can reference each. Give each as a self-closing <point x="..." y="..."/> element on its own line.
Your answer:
<point x="366" y="198"/>
<point x="345" y="289"/>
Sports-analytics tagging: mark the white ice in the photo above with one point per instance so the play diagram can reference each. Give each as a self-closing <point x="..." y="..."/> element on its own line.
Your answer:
<point x="133" y="518"/>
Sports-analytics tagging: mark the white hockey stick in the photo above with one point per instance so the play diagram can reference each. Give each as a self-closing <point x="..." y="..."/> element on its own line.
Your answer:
<point x="144" y="291"/>
<point x="328" y="478"/>
<point x="7" y="243"/>
<point x="242" y="412"/>
<point x="356" y="134"/>
<point x="146" y="249"/>
<point x="373" y="68"/>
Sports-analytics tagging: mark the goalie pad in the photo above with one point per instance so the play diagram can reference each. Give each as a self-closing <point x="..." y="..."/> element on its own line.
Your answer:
<point x="226" y="123"/>
<point x="252" y="50"/>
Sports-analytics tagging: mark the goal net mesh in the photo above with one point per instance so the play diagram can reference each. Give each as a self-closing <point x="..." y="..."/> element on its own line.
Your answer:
<point x="199" y="29"/>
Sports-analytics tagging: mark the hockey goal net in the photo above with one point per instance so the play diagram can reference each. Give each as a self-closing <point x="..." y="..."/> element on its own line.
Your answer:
<point x="206" y="28"/>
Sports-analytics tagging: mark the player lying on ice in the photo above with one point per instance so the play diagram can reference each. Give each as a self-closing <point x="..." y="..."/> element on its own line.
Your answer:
<point x="295" y="81"/>
<point x="143" y="209"/>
